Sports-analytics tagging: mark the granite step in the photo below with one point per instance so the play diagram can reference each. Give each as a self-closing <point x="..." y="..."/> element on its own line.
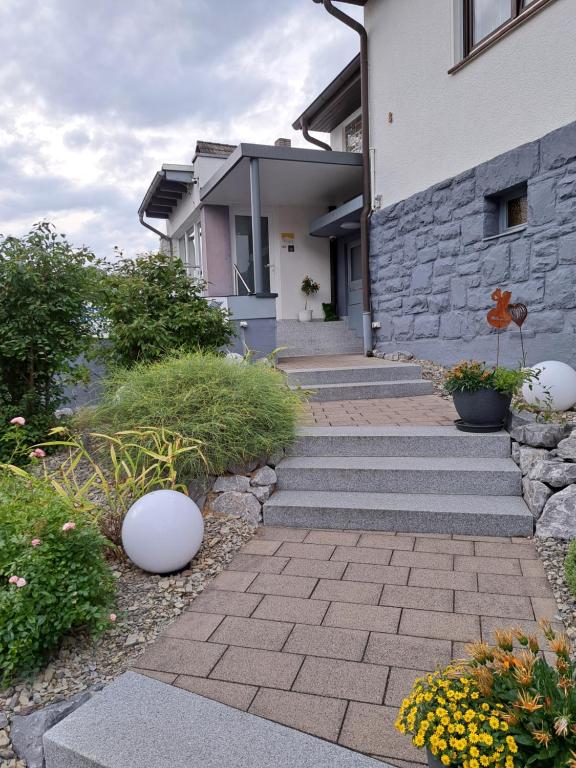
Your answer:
<point x="405" y="512"/>
<point x="370" y="390"/>
<point x="401" y="474"/>
<point x="399" y="441"/>
<point x="379" y="372"/>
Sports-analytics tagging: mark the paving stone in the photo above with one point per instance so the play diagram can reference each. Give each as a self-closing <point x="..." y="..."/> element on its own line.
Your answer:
<point x="386" y="541"/>
<point x="426" y="577"/>
<point x="233" y="581"/>
<point x="194" y="626"/>
<point x="348" y="591"/>
<point x="514" y="585"/>
<point x="317" y="715"/>
<point x="444" y="546"/>
<point x="495" y="539"/>
<point x="164" y="677"/>
<point x="532" y="568"/>
<point x="184" y="657"/>
<point x="429" y="560"/>
<point x="451" y="626"/>
<point x="418" y="597"/>
<point x="545" y="608"/>
<point x="334" y="643"/>
<point x="404" y="651"/>
<point x="344" y="538"/>
<point x="321" y="569"/>
<point x="313" y="551"/>
<point x="257" y="667"/>
<point x="257" y="563"/>
<point x="400" y="682"/>
<point x="342" y="679"/>
<point x="487" y="565"/>
<point x="362" y="555"/>
<point x="293" y="609"/>
<point x="373" y="618"/>
<point x="260" y="547"/>
<point x="378" y="574"/>
<point x="232" y="694"/>
<point x="221" y="601"/>
<point x="289" y="586"/>
<point x="370" y="729"/>
<point x="252" y="633"/>
<point x="485" y="604"/>
<point x="276" y="533"/>
<point x="521" y="551"/>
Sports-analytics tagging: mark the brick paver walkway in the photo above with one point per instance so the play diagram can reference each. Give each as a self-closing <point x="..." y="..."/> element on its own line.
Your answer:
<point x="429" y="410"/>
<point x="325" y="631"/>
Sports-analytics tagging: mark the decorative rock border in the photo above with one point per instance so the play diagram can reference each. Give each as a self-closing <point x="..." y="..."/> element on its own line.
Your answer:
<point x="546" y="455"/>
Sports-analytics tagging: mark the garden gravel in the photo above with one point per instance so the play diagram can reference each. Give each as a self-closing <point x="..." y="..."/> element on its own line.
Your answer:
<point x="147" y="604"/>
<point x="553" y="554"/>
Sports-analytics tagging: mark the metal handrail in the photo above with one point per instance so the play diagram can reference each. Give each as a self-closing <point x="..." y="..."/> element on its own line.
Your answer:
<point x="239" y="274"/>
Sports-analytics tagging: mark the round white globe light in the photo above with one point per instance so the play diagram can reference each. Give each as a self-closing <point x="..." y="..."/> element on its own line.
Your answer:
<point x="162" y="531"/>
<point x="554" y="388"/>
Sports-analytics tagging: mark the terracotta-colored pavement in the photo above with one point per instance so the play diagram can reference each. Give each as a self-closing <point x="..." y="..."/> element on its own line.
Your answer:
<point x="325" y="631"/>
<point x="429" y="410"/>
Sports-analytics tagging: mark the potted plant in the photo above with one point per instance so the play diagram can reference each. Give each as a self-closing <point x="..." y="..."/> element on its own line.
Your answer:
<point x="309" y="288"/>
<point x="482" y="395"/>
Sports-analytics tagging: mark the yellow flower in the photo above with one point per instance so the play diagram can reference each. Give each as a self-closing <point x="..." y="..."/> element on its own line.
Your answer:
<point x="445" y="760"/>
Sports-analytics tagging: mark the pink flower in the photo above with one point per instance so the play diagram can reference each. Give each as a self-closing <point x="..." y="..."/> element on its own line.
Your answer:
<point x="13" y="580"/>
<point x="37" y="453"/>
<point x="35" y="542"/>
<point x="69" y="526"/>
<point x="18" y="421"/>
<point x="21" y="583"/>
<point x="112" y="617"/>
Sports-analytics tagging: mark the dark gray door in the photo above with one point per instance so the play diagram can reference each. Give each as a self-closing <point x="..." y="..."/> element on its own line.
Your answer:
<point x="354" y="261"/>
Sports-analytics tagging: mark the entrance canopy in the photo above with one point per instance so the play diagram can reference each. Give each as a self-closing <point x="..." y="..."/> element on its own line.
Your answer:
<point x="287" y="176"/>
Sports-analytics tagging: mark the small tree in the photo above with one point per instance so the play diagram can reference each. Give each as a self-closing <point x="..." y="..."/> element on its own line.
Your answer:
<point x="309" y="288"/>
<point x="153" y="308"/>
<point x="46" y="319"/>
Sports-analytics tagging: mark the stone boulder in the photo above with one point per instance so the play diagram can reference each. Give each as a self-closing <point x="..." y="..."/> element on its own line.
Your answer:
<point x="558" y="520"/>
<point x="244" y="505"/>
<point x="515" y="452"/>
<point x="262" y="492"/>
<point x="243" y="467"/>
<point x="228" y="483"/>
<point x="530" y="456"/>
<point x="536" y="494"/>
<point x="545" y="435"/>
<point x="264" y="476"/>
<point x="567" y="448"/>
<point x="558" y="474"/>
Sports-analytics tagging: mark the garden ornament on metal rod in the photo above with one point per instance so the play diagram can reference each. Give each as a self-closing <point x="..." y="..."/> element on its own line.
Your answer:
<point x="519" y="313"/>
<point x="499" y="316"/>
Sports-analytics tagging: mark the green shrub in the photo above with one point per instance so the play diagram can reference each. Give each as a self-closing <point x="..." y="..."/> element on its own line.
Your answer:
<point x="570" y="567"/>
<point x="239" y="411"/>
<point x="154" y="308"/>
<point x="57" y="555"/>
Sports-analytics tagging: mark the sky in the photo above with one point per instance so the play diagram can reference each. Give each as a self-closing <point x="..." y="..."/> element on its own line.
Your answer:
<point x="96" y="94"/>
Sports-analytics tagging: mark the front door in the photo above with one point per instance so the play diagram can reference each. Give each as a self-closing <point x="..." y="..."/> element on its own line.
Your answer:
<point x="354" y="262"/>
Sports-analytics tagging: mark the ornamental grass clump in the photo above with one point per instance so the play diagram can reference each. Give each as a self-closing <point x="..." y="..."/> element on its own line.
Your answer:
<point x="53" y="575"/>
<point x="570" y="567"/>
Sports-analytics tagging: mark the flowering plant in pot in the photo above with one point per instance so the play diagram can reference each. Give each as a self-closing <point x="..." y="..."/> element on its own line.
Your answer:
<point x="482" y="395"/>
<point x="309" y="288"/>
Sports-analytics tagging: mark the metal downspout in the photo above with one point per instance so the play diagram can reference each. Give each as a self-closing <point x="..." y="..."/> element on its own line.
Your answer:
<point x="161" y="235"/>
<point x="313" y="139"/>
<point x="367" y="191"/>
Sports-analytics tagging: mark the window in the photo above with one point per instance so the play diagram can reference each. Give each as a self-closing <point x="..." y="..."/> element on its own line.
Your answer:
<point x="353" y="135"/>
<point x="507" y="210"/>
<point x="190" y="250"/>
<point x="245" y="255"/>
<point x="484" y="17"/>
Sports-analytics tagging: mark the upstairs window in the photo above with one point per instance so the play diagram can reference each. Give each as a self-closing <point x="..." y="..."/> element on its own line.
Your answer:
<point x="483" y="17"/>
<point x="353" y="135"/>
<point x="506" y="211"/>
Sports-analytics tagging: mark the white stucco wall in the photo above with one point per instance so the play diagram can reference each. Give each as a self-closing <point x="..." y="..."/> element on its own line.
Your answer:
<point x="521" y="88"/>
<point x="186" y="213"/>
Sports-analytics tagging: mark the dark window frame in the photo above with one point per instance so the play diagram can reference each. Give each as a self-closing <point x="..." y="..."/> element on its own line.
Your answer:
<point x="520" y="13"/>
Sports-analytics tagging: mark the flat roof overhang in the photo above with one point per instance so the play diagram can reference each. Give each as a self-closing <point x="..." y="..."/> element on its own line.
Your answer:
<point x="342" y="221"/>
<point x="166" y="190"/>
<point x="288" y="176"/>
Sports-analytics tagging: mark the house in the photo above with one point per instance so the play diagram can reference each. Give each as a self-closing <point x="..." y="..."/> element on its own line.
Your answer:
<point x="464" y="182"/>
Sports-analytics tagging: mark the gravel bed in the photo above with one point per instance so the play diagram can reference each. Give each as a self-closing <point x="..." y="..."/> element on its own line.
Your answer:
<point x="553" y="553"/>
<point x="435" y="373"/>
<point x="147" y="604"/>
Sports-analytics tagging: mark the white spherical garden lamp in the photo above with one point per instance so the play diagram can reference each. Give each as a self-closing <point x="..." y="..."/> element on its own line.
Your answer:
<point x="162" y="531"/>
<point x="555" y="387"/>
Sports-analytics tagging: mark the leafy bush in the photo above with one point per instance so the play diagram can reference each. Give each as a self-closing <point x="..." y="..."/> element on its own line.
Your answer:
<point x="237" y="410"/>
<point x="153" y="309"/>
<point x="570" y="567"/>
<point x="470" y="376"/>
<point x="47" y="288"/>
<point x="53" y="576"/>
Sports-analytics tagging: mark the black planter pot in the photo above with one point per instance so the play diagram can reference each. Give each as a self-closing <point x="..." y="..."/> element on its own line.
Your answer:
<point x="484" y="410"/>
<point x="432" y="761"/>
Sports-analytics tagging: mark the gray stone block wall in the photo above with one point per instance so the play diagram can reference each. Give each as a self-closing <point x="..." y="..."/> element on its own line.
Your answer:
<point x="434" y="264"/>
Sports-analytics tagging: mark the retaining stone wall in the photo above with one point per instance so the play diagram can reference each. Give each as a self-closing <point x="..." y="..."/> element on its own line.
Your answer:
<point x="433" y="268"/>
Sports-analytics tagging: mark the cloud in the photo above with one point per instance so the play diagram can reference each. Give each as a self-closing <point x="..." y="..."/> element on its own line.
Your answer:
<point x="97" y="95"/>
